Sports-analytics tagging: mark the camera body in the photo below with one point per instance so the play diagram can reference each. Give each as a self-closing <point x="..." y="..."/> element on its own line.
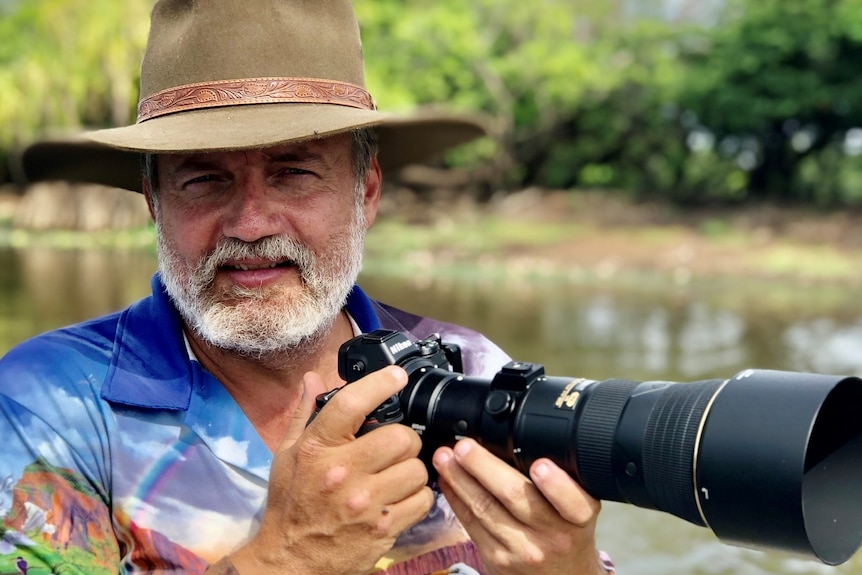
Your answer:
<point x="372" y="351"/>
<point x="474" y="408"/>
<point x="369" y="352"/>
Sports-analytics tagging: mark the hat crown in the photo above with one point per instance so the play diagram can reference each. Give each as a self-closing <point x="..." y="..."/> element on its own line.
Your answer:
<point x="204" y="41"/>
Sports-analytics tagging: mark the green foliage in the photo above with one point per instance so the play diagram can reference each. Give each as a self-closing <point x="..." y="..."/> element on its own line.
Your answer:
<point x="781" y="59"/>
<point x="64" y="63"/>
<point x="622" y="133"/>
<point x="783" y="75"/>
<point x="753" y="104"/>
<point x="474" y="55"/>
<point x="527" y="64"/>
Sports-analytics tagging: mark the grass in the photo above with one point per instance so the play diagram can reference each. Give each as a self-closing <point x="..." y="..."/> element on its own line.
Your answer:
<point x="493" y="247"/>
<point x="817" y="261"/>
<point x="392" y="237"/>
<point x="142" y="238"/>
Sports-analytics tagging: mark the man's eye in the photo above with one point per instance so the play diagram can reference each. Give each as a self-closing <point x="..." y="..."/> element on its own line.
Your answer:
<point x="202" y="182"/>
<point x="292" y="172"/>
<point x="204" y="179"/>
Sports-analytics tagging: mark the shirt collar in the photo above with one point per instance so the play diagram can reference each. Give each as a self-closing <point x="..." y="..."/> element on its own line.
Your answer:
<point x="150" y="366"/>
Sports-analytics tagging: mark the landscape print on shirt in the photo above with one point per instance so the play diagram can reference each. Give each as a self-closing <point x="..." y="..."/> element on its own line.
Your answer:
<point x="56" y="524"/>
<point x="61" y="508"/>
<point x="52" y="521"/>
<point x="58" y="521"/>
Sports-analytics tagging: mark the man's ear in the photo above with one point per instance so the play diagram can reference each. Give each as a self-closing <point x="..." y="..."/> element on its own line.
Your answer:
<point x="373" y="189"/>
<point x="148" y="194"/>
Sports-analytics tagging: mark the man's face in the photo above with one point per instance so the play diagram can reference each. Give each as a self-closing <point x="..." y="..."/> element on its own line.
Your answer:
<point x="259" y="248"/>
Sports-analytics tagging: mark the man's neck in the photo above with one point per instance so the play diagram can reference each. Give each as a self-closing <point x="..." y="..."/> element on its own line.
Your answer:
<point x="269" y="388"/>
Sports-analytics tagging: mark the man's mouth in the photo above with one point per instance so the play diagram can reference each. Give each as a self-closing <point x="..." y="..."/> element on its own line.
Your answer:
<point x="261" y="266"/>
<point x="245" y="268"/>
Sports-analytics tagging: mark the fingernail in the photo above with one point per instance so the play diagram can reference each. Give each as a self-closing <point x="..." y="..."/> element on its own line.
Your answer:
<point x="398" y="373"/>
<point x="463" y="447"/>
<point x="541" y="471"/>
<point x="442" y="457"/>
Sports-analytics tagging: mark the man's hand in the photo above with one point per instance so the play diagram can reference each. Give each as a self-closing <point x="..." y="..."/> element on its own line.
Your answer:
<point x="546" y="525"/>
<point x="336" y="503"/>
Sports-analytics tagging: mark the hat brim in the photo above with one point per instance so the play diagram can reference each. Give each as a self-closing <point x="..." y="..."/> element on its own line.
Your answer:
<point x="112" y="157"/>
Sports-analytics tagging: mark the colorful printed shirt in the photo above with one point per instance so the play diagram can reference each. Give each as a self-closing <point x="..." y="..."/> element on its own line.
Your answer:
<point x="121" y="454"/>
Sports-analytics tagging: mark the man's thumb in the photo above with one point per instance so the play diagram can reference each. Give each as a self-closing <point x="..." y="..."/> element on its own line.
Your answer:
<point x="312" y="387"/>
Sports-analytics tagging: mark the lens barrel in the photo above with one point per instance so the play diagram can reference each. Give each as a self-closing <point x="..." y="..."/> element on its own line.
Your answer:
<point x="766" y="459"/>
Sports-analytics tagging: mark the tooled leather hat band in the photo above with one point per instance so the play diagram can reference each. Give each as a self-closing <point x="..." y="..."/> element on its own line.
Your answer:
<point x="253" y="91"/>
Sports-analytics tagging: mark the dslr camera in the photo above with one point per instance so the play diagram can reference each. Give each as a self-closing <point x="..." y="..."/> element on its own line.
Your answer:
<point x="764" y="459"/>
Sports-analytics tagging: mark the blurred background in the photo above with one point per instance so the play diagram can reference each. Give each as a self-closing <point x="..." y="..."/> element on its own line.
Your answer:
<point x="692" y="101"/>
<point x="671" y="190"/>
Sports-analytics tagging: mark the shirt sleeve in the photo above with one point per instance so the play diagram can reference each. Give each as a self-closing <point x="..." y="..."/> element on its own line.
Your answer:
<point x="54" y="505"/>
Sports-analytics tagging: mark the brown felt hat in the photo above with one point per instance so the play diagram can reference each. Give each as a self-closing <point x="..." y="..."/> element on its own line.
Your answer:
<point x="235" y="74"/>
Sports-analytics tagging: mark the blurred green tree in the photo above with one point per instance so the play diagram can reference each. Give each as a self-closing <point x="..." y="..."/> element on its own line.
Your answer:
<point x="624" y="94"/>
<point x="580" y="91"/>
<point x="528" y="64"/>
<point x="778" y="84"/>
<point x="64" y="63"/>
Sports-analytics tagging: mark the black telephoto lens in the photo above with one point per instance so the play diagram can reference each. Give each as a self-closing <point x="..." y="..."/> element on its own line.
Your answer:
<point x="765" y="459"/>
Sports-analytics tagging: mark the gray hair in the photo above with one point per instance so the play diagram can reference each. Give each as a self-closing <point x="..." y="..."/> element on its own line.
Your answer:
<point x="363" y="144"/>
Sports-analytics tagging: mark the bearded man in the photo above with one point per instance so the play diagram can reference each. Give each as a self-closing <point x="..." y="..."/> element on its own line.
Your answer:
<point x="172" y="436"/>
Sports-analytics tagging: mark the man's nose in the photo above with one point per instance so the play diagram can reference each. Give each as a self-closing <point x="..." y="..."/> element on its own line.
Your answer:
<point x="254" y="211"/>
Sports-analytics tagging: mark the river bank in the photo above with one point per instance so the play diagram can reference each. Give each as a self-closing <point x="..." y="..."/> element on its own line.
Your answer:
<point x="578" y="236"/>
<point x="605" y="236"/>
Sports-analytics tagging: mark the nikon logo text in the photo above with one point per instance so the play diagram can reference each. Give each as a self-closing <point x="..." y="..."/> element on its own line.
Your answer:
<point x="400" y="346"/>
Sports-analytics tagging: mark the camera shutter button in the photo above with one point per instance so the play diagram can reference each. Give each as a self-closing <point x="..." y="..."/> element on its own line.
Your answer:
<point x="498" y="403"/>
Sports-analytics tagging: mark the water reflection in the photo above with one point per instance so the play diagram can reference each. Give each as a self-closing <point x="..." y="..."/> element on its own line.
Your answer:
<point x="649" y="332"/>
<point x="43" y="288"/>
<point x="644" y="331"/>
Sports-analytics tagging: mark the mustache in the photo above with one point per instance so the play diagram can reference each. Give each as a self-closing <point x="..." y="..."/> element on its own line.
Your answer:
<point x="281" y="249"/>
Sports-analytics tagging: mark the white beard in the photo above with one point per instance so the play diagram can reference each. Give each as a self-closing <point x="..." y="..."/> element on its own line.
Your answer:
<point x="263" y="321"/>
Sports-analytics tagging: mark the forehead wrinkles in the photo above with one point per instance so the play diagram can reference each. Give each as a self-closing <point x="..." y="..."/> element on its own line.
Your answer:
<point x="328" y="152"/>
<point x="327" y="156"/>
<point x="297" y="151"/>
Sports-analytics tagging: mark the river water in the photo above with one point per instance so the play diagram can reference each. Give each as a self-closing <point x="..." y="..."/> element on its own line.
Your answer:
<point x="634" y="329"/>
